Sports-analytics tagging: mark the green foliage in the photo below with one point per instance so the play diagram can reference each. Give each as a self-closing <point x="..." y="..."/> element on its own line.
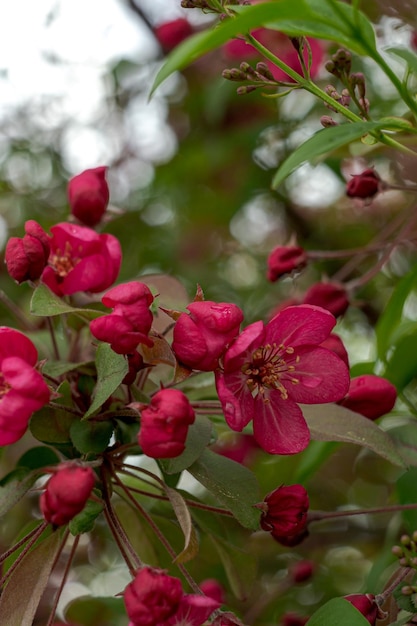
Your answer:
<point x="338" y="611"/>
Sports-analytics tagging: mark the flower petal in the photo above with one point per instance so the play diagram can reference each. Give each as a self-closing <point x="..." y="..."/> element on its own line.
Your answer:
<point x="250" y="338"/>
<point x="300" y="325"/>
<point x="236" y="399"/>
<point x="322" y="375"/>
<point x="279" y="426"/>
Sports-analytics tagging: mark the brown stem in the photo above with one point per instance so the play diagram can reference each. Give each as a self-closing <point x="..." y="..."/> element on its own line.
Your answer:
<point x="65" y="575"/>
<point x="318" y="516"/>
<point x="17" y="545"/>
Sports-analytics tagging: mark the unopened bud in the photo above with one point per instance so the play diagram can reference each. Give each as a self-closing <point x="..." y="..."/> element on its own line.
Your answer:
<point x="264" y="71"/>
<point x="405" y="540"/>
<point x="358" y="81"/>
<point x="244" y="89"/>
<point x="397" y="551"/>
<point x="407" y="590"/>
<point x="327" y="121"/>
<point x="248" y="69"/>
<point x="234" y="74"/>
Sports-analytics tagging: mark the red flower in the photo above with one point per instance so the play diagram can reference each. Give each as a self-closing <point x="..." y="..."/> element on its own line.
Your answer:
<point x="22" y="388"/>
<point x="170" y="34"/>
<point x="370" y="395"/>
<point x="284" y="260"/>
<point x="27" y="257"/>
<point x="155" y="599"/>
<point x="364" y="185"/>
<point x="240" y="448"/>
<point x="81" y="260"/>
<point x="164" y="424"/>
<point x="271" y="368"/>
<point x="88" y="195"/>
<point x="201" y="337"/>
<point x="330" y="296"/>
<point x="365" y="603"/>
<point x="284" y="514"/>
<point x="66" y="493"/>
<point x="131" y="320"/>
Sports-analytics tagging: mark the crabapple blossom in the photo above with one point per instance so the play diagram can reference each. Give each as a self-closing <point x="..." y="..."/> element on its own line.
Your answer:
<point x="81" y="260"/>
<point x="26" y="257"/>
<point x="201" y="337"/>
<point x="331" y="296"/>
<point x="271" y="368"/>
<point x="130" y="321"/>
<point x="370" y="395"/>
<point x="66" y="493"/>
<point x="284" y="514"/>
<point x="284" y="260"/>
<point x="154" y="598"/>
<point x="164" y="424"/>
<point x="364" y="185"/>
<point x="22" y="388"/>
<point x="88" y="195"/>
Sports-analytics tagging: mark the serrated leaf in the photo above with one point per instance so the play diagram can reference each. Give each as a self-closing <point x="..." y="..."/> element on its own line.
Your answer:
<point x="45" y="303"/>
<point x="198" y="437"/>
<point x="111" y="369"/>
<point x="22" y="594"/>
<point x="232" y="484"/>
<point x="58" y="368"/>
<point x="331" y="422"/>
<point x="91" y="436"/>
<point x="183" y="516"/>
<point x="325" y="141"/>
<point x="338" y="611"/>
<point x="84" y="521"/>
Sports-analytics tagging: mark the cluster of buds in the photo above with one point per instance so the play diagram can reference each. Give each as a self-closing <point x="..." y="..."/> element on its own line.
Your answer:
<point x="260" y="76"/>
<point x="406" y="553"/>
<point x="354" y="88"/>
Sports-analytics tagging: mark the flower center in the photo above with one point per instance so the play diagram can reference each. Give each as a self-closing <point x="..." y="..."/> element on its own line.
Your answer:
<point x="64" y="262"/>
<point x="4" y="386"/>
<point x="269" y="369"/>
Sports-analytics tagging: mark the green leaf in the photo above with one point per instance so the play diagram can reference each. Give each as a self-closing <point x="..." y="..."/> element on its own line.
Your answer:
<point x="91" y="436"/>
<point x="22" y="594"/>
<point x="338" y="611"/>
<point x="198" y="437"/>
<point x="401" y="367"/>
<point x="407" y="55"/>
<point x="14" y="486"/>
<point x="111" y="369"/>
<point x="232" y="484"/>
<point x="239" y="565"/>
<point x="331" y="422"/>
<point x="94" y="611"/>
<point x="407" y="494"/>
<point x="38" y="457"/>
<point x="84" y="521"/>
<point x="52" y="425"/>
<point x="58" y="368"/>
<point x="336" y="22"/>
<point x="325" y="141"/>
<point x="183" y="516"/>
<point x="46" y="304"/>
<point x="392" y="314"/>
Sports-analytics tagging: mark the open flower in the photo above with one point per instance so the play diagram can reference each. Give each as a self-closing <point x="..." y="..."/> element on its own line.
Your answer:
<point x="22" y="388"/>
<point x="155" y="599"/>
<point x="271" y="368"/>
<point x="81" y="260"/>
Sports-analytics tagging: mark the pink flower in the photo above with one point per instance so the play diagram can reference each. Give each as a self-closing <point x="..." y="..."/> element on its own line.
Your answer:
<point x="27" y="257"/>
<point x="213" y="589"/>
<point x="370" y="395"/>
<point x="331" y="296"/>
<point x="88" y="195"/>
<point x="164" y="424"/>
<point x="284" y="514"/>
<point x="170" y="34"/>
<point x="155" y="599"/>
<point x="130" y="321"/>
<point x="81" y="260"/>
<point x="284" y="260"/>
<point x="271" y="368"/>
<point x="365" y="603"/>
<point x="201" y="337"/>
<point x="66" y="493"/>
<point x="22" y="388"/>
<point x="364" y="185"/>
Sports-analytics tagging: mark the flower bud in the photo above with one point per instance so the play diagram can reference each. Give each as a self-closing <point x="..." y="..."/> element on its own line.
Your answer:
<point x="293" y="619"/>
<point x="201" y="337"/>
<point x="370" y="395"/>
<point x="213" y="589"/>
<point x="330" y="296"/>
<point x="284" y="514"/>
<point x="284" y="260"/>
<point x="130" y="321"/>
<point x="27" y="257"/>
<point x="365" y="603"/>
<point x="66" y="493"/>
<point x="364" y="185"/>
<point x="164" y="424"/>
<point x="301" y="571"/>
<point x="170" y="34"/>
<point x="88" y="195"/>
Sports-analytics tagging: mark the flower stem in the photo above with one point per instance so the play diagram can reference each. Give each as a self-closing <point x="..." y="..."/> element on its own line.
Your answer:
<point x="33" y="539"/>
<point x="319" y="516"/>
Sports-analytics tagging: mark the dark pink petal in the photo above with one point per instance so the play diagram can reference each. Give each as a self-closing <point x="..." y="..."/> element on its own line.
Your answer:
<point x="279" y="426"/>
<point x="127" y="293"/>
<point x="322" y="375"/>
<point x="249" y="339"/>
<point x="26" y="381"/>
<point x="236" y="398"/>
<point x="189" y="343"/>
<point x="14" y="343"/>
<point x="300" y="325"/>
<point x="195" y="610"/>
